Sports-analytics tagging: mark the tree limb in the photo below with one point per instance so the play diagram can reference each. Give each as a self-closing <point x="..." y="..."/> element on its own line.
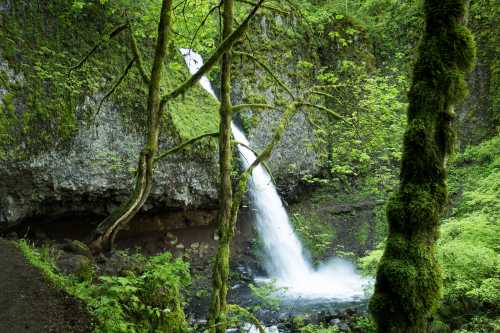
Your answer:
<point x="324" y="109"/>
<point x="112" y="34"/>
<point x="184" y="145"/>
<point x="221" y="49"/>
<point x="203" y="22"/>
<point x="239" y="107"/>
<point x="320" y="93"/>
<point x="137" y="56"/>
<point x="245" y="313"/>
<point x="272" y="8"/>
<point x="267" y="69"/>
<point x="266" y="153"/>
<point x="266" y="166"/>
<point x="113" y="88"/>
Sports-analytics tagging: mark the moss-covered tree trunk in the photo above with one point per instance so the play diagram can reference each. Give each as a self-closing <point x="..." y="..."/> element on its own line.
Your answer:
<point x="408" y="286"/>
<point x="144" y="179"/>
<point x="220" y="275"/>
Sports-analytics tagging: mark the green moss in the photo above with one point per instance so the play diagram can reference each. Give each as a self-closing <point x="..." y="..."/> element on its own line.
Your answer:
<point x="408" y="287"/>
<point x="48" y="104"/>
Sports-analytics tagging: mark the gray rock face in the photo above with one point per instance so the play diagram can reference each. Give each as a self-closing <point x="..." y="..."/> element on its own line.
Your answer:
<point x="292" y="158"/>
<point x="96" y="172"/>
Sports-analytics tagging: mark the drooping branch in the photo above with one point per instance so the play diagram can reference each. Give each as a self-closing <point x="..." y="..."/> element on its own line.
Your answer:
<point x="266" y="153"/>
<point x="111" y="35"/>
<point x="324" y="109"/>
<point x="113" y="88"/>
<point x="247" y="315"/>
<point x="137" y="56"/>
<point x="239" y="107"/>
<point x="239" y="143"/>
<point x="185" y="144"/>
<point x="267" y="69"/>
<point x="202" y="23"/>
<point x="270" y="7"/>
<point x="314" y="124"/>
<point x="226" y="44"/>
<point x="324" y="94"/>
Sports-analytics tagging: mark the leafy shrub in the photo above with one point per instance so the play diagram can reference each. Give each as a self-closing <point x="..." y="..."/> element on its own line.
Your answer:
<point x="319" y="329"/>
<point x="266" y="294"/>
<point x="316" y="235"/>
<point x="149" y="301"/>
<point x="468" y="246"/>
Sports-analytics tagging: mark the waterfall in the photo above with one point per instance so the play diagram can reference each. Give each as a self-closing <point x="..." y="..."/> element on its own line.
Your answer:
<point x="285" y="259"/>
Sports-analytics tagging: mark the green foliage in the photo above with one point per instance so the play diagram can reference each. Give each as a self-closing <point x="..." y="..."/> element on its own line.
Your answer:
<point x="44" y="260"/>
<point x="372" y="143"/>
<point x="364" y="325"/>
<point x="316" y="235"/>
<point x="409" y="283"/>
<point x="468" y="247"/>
<point x="319" y="329"/>
<point x="266" y="293"/>
<point x="135" y="302"/>
<point x="146" y="302"/>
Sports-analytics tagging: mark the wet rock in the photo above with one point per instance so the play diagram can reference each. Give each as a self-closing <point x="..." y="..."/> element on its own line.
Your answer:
<point x="91" y="174"/>
<point x="12" y="236"/>
<point x="334" y="322"/>
<point x="40" y="235"/>
<point x="343" y="327"/>
<point x="119" y="264"/>
<point x="75" y="264"/>
<point x="77" y="247"/>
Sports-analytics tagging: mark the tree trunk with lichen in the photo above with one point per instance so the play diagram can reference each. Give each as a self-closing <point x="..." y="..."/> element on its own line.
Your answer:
<point x="408" y="286"/>
<point x="220" y="275"/>
<point x="107" y="229"/>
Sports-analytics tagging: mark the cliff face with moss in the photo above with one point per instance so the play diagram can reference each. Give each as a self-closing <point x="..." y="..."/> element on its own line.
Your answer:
<point x="59" y="155"/>
<point x="62" y="154"/>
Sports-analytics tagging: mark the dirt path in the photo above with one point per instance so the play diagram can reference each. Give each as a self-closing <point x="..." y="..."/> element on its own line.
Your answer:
<point x="28" y="304"/>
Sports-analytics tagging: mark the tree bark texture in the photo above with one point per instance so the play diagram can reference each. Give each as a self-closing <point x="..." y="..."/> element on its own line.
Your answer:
<point x="408" y="286"/>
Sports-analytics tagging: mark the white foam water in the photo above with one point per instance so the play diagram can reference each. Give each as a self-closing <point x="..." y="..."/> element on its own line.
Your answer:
<point x="285" y="260"/>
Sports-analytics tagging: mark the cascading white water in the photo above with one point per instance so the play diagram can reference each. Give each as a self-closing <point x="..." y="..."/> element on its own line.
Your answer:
<point x="336" y="279"/>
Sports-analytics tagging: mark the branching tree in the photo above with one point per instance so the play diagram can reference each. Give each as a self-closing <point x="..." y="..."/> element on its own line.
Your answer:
<point x="107" y="229"/>
<point x="408" y="286"/>
<point x="229" y="202"/>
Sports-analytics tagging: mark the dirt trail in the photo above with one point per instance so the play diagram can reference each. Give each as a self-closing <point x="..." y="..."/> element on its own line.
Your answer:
<point x="28" y="304"/>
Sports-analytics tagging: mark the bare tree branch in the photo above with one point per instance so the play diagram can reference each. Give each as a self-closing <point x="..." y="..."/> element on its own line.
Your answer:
<point x="203" y="22"/>
<point x="185" y="144"/>
<point x="137" y="55"/>
<point x="320" y="93"/>
<point x="266" y="166"/>
<point x="266" y="153"/>
<point x="267" y="69"/>
<point x="223" y="47"/>
<point x="324" y="109"/>
<point x="112" y="34"/>
<point x="113" y="88"/>
<point x="239" y="107"/>
<point x="270" y="7"/>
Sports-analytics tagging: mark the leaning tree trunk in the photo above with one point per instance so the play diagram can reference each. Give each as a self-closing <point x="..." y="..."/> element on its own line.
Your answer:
<point x="220" y="275"/>
<point x="107" y="229"/>
<point x="408" y="286"/>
